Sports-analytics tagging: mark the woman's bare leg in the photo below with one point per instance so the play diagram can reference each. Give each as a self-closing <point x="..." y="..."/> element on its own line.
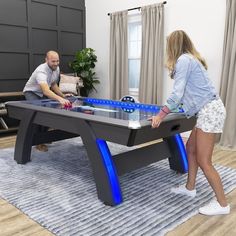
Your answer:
<point x="192" y="162"/>
<point x="204" y="148"/>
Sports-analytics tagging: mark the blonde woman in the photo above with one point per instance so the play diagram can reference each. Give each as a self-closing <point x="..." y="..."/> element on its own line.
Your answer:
<point x="194" y="92"/>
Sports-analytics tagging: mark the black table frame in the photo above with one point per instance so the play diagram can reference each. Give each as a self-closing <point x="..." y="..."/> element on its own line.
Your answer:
<point x="95" y="131"/>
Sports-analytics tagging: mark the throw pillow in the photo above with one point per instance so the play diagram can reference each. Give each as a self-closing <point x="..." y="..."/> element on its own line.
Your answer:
<point x="70" y="84"/>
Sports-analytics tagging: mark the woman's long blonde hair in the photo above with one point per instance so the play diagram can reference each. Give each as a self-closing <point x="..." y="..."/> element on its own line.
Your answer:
<point x="179" y="43"/>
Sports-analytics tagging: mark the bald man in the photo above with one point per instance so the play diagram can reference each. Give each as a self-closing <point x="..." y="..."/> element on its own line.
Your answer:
<point x="43" y="84"/>
<point x="43" y="81"/>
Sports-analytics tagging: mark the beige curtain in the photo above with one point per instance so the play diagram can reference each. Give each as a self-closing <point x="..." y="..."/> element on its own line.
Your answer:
<point x="118" y="64"/>
<point x="151" y="74"/>
<point x="228" y="77"/>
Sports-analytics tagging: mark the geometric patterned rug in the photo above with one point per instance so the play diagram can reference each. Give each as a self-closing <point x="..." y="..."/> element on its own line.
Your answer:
<point x="57" y="190"/>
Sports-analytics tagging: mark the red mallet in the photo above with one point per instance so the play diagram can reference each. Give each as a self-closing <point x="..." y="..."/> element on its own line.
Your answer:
<point x="68" y="106"/>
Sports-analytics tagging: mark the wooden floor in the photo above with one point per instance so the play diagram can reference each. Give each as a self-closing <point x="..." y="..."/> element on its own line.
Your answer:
<point x="15" y="223"/>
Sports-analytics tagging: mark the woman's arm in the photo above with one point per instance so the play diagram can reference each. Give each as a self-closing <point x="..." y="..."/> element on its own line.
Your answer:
<point x="181" y="75"/>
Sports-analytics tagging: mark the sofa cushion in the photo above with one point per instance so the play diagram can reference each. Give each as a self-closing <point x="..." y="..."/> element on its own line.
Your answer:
<point x="70" y="84"/>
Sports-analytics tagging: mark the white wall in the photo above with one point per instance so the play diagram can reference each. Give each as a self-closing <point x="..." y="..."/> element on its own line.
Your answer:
<point x="202" y="20"/>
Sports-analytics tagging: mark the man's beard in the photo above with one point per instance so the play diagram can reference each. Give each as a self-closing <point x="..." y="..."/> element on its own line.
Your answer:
<point x="53" y="67"/>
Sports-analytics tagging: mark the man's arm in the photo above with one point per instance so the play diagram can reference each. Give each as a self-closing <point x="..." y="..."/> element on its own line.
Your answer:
<point x="50" y="94"/>
<point x="56" y="90"/>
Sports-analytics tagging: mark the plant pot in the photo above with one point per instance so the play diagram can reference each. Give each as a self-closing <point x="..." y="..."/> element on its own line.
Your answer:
<point x="83" y="92"/>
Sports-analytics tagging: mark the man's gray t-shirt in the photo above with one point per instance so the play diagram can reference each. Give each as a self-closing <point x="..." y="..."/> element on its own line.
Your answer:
<point x="42" y="74"/>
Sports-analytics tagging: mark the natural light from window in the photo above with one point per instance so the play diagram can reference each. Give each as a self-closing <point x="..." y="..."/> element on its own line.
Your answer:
<point x="134" y="52"/>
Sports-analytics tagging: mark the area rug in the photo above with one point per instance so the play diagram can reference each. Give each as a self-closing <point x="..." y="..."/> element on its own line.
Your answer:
<point x="57" y="190"/>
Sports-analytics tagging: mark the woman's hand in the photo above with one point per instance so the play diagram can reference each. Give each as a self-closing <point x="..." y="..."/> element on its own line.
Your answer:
<point x="156" y="121"/>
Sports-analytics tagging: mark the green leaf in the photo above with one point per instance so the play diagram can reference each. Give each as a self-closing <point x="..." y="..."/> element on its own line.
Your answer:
<point x="83" y="66"/>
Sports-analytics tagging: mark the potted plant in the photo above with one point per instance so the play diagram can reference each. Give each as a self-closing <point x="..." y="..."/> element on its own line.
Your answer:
<point x="83" y="66"/>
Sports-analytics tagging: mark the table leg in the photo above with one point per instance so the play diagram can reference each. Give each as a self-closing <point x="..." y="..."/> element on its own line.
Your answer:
<point x="24" y="138"/>
<point x="178" y="160"/>
<point x="104" y="170"/>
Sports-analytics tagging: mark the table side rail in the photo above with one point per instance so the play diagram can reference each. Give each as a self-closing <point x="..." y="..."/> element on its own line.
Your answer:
<point x="166" y="129"/>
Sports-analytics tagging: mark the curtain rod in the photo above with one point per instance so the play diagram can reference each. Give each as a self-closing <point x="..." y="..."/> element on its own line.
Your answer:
<point x="136" y="8"/>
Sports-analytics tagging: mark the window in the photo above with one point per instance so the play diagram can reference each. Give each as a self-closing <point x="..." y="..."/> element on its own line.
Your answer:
<point x="134" y="53"/>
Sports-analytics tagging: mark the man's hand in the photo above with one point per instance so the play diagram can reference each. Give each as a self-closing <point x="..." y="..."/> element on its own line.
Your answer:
<point x="64" y="101"/>
<point x="156" y="121"/>
<point x="50" y="94"/>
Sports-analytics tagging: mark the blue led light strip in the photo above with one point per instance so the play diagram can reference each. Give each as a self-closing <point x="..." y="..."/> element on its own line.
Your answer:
<point x="182" y="151"/>
<point x="113" y="103"/>
<point x="111" y="171"/>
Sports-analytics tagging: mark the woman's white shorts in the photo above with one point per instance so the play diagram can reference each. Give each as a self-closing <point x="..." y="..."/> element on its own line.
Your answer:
<point x="211" y="117"/>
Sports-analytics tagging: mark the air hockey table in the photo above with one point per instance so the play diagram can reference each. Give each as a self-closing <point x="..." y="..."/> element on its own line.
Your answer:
<point x="97" y="121"/>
